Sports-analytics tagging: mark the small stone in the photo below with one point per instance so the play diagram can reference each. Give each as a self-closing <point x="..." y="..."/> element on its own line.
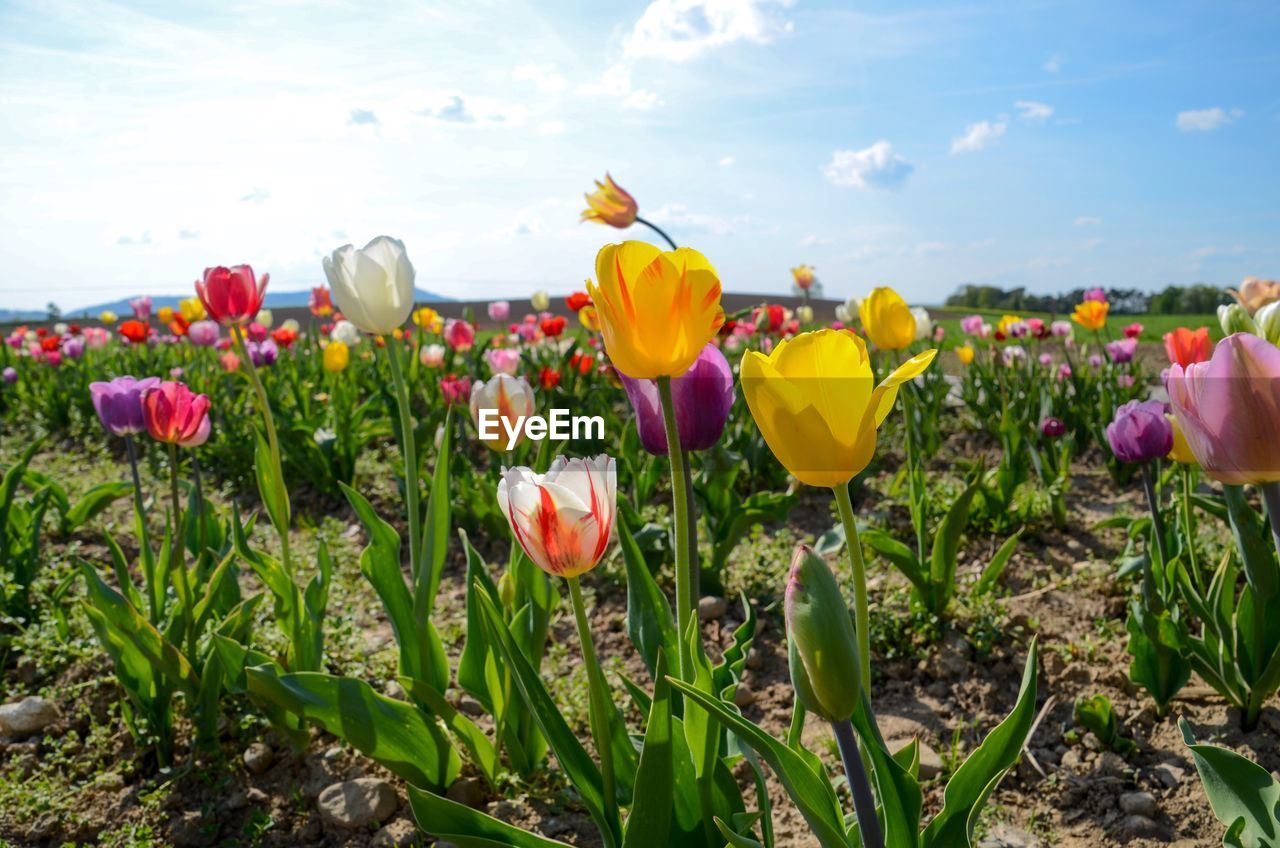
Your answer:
<point x="1112" y="764"/>
<point x="256" y="796"/>
<point x="468" y="791"/>
<point x="1072" y="760"/>
<point x="257" y="757"/>
<point x="1008" y="836"/>
<point x="1140" y="827"/>
<point x="1139" y="804"/>
<point x="1170" y="777"/>
<point x="471" y="706"/>
<point x="357" y="803"/>
<point x="190" y="829"/>
<point x="395" y="690"/>
<point x="712" y="607"/>
<point x="27" y="717"/>
<point x="755" y="659"/>
<point x="398" y="833"/>
<point x="743" y="697"/>
<point x="334" y="753"/>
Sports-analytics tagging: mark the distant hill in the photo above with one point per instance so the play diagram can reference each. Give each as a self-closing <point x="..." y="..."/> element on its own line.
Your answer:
<point x="273" y="300"/>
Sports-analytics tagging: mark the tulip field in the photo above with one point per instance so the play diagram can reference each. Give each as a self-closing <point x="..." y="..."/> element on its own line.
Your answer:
<point x="628" y="569"/>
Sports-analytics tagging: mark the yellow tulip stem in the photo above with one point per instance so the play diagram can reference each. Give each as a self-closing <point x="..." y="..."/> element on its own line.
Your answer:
<point x="597" y="692"/>
<point x="680" y="514"/>
<point x="410" y="456"/>
<point x="861" y="616"/>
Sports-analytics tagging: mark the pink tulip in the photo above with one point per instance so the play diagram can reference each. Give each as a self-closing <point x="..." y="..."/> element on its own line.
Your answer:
<point x="1228" y="409"/>
<point x="459" y="334"/>
<point x="499" y="311"/>
<point x="563" y="519"/>
<point x="504" y="360"/>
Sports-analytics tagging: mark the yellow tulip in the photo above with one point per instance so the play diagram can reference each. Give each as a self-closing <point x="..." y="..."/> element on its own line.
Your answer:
<point x="1181" y="451"/>
<point x="964" y="353"/>
<point x="657" y="309"/>
<point x="1091" y="314"/>
<point x="428" y="319"/>
<point x="336" y="357"/>
<point x="165" y="314"/>
<point x="191" y="310"/>
<point x="610" y="204"/>
<point x="815" y="400"/>
<point x="108" y="317"/>
<point x="887" y="319"/>
<point x="1006" y="322"/>
<point x="590" y="318"/>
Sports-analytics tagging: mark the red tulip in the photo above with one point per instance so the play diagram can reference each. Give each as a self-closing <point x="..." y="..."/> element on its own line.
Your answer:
<point x="577" y="300"/>
<point x="284" y="336"/>
<point x="134" y="330"/>
<point x="231" y="295"/>
<point x="1186" y="347"/>
<point x="553" y="326"/>
<point x="548" y="378"/>
<point x="50" y="343"/>
<point x="321" y="303"/>
<point x="175" y="414"/>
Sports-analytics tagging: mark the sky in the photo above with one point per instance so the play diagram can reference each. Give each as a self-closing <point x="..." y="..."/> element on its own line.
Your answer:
<point x="1050" y="145"/>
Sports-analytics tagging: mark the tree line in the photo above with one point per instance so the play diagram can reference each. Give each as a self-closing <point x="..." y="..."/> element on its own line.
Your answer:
<point x="1172" y="300"/>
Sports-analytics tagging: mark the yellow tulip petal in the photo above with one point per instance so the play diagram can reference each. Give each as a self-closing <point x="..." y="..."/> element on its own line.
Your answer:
<point x="907" y="371"/>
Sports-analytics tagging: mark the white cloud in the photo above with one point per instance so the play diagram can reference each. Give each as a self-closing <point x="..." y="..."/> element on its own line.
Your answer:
<point x="1088" y="221"/>
<point x="257" y="195"/>
<point x="726" y="161"/>
<point x="1092" y="244"/>
<point x="876" y="166"/>
<point x="641" y="100"/>
<point x="1213" y="250"/>
<point x="814" y="240"/>
<point x="1054" y="63"/>
<point x="547" y="79"/>
<point x="978" y="136"/>
<point x="679" y="215"/>
<point x="1033" y="110"/>
<point x="679" y="30"/>
<point x="616" y="82"/>
<point x="1204" y="120"/>
<point x="552" y="128"/>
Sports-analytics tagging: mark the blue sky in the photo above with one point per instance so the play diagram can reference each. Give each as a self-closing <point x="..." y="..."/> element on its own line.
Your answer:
<point x="1044" y="144"/>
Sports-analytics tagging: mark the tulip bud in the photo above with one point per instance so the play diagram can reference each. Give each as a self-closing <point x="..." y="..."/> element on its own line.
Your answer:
<point x="1234" y="318"/>
<point x="507" y="590"/>
<point x="821" y="648"/>
<point x="1268" y="321"/>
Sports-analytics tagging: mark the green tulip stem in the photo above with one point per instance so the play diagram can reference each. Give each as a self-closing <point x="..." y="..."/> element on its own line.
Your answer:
<point x="1271" y="496"/>
<point x="1157" y="520"/>
<point x="177" y="555"/>
<point x="597" y="697"/>
<point x="273" y="443"/>
<point x="410" y="457"/>
<point x="861" y="617"/>
<point x="144" y="537"/>
<point x="864" y="803"/>
<point x="695" y="573"/>
<point x="1189" y="522"/>
<point x="680" y="513"/>
<point x="657" y="230"/>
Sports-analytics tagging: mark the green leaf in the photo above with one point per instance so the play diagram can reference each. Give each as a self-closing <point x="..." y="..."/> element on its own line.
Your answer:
<point x="991" y="574"/>
<point x="1244" y="796"/>
<point x="650" y="820"/>
<point x="471" y="665"/>
<point x="901" y="556"/>
<point x="397" y="735"/>
<point x="978" y="776"/>
<point x="450" y="821"/>
<point x="946" y="547"/>
<point x="900" y="799"/>
<point x="649" y="621"/>
<point x="482" y="752"/>
<point x="94" y="501"/>
<point x="811" y="792"/>
<point x="435" y="533"/>
<point x="275" y="497"/>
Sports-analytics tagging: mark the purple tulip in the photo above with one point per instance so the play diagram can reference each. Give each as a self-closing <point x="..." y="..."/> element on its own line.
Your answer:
<point x="263" y="353"/>
<point x="10" y="375"/>
<point x="1122" y="350"/>
<point x="1052" y="427"/>
<point x="73" y="347"/>
<point x="203" y="333"/>
<point x="1095" y="361"/>
<point x="119" y="403"/>
<point x="702" y="395"/>
<point x="1099" y="295"/>
<point x="1140" y="432"/>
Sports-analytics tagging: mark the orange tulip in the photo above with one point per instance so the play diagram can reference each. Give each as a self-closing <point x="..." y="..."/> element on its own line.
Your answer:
<point x="1092" y="314"/>
<point x="1185" y="347"/>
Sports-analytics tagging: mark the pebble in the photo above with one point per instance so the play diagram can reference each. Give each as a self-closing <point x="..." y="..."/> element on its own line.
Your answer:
<point x="1139" y="804"/>
<point x="1112" y="764"/>
<point x="743" y="697"/>
<point x="29" y="716"/>
<point x="471" y="706"/>
<point x="398" y="833"/>
<point x="1170" y="777"/>
<point x="1140" y="827"/>
<point x="755" y="659"/>
<point x="257" y="757"/>
<point x="1008" y="836"/>
<point x="711" y="607"/>
<point x="357" y="803"/>
<point x="468" y="791"/>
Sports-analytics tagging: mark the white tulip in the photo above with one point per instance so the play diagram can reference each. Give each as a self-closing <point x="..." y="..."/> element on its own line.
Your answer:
<point x="563" y="519"/>
<point x="924" y="324"/>
<point x="264" y="317"/>
<point x="372" y="286"/>
<point x="346" y="332"/>
<point x="852" y="306"/>
<point x="804" y="314"/>
<point x="842" y="314"/>
<point x="540" y="301"/>
<point x="291" y="325"/>
<point x="499" y="407"/>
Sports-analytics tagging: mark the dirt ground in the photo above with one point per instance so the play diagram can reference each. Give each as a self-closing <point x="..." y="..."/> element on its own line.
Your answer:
<point x="83" y="782"/>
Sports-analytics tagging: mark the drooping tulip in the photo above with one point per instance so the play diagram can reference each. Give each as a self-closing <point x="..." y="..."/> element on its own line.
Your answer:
<point x="497" y="409"/>
<point x="702" y="396"/>
<point x="887" y="320"/>
<point x="1185" y="347"/>
<point x="803" y="275"/>
<point x="119" y="403"/>
<point x="173" y="413"/>
<point x="336" y="356"/>
<point x="822" y="651"/>
<point x="232" y="296"/>
<point x="658" y="309"/>
<point x="373" y="285"/>
<point x="1139" y="432"/>
<point x="564" y="519"/>
<point x="203" y="333"/>
<point x="1228" y="407"/>
<point x="1091" y="314"/>
<point x="815" y="400"/>
<point x="610" y="204"/>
